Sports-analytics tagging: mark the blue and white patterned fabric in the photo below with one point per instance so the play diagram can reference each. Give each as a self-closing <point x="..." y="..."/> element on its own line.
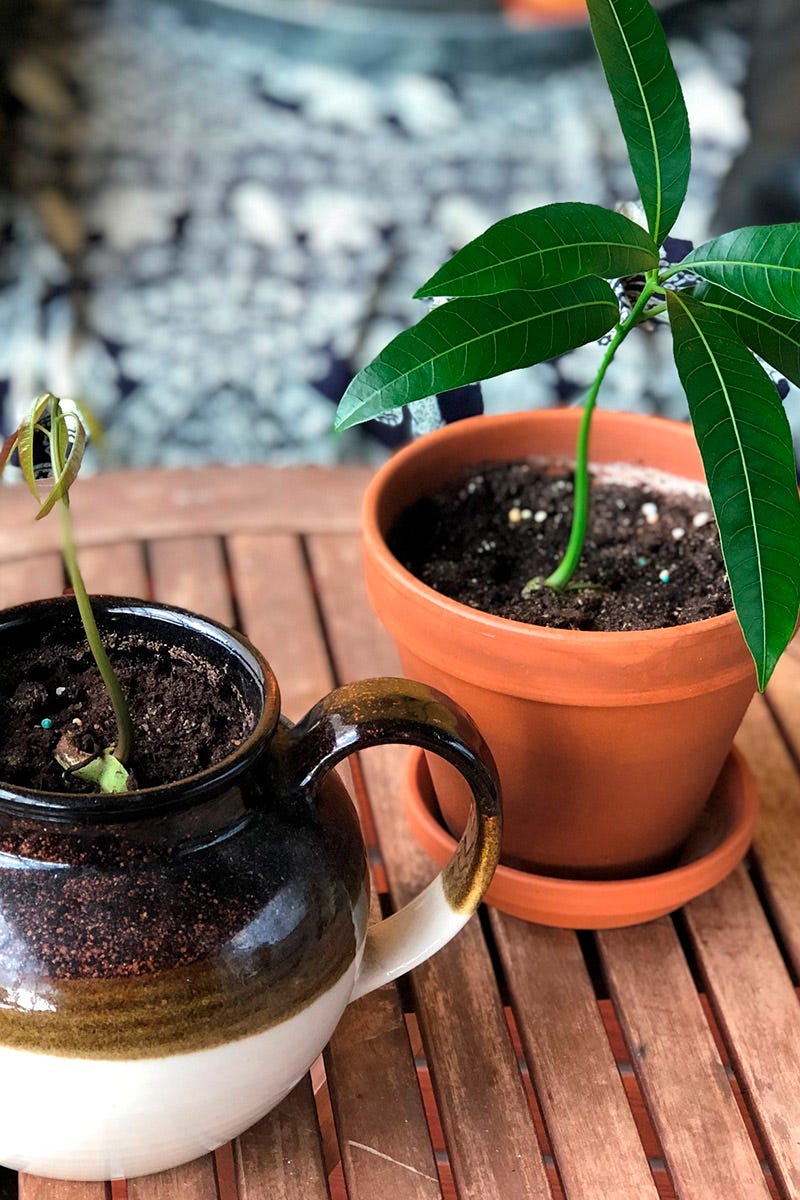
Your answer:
<point x="254" y="225"/>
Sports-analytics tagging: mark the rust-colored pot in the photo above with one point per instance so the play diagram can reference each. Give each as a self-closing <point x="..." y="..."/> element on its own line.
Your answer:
<point x="567" y="12"/>
<point x="607" y="744"/>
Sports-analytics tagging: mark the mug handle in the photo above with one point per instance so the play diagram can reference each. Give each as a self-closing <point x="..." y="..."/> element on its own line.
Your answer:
<point x="371" y="713"/>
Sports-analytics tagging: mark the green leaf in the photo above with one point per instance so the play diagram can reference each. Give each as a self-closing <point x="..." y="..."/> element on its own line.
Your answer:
<point x="775" y="339"/>
<point x="649" y="104"/>
<point x="25" y="437"/>
<point x="473" y="339"/>
<point x="746" y="446"/>
<point x="760" y="263"/>
<point x="69" y="473"/>
<point x="8" y="448"/>
<point x="106" y="771"/>
<point x="543" y="248"/>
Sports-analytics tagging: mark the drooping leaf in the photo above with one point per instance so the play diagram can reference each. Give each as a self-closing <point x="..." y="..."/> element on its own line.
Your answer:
<point x="649" y="104"/>
<point x="746" y="446"/>
<point x="472" y="339"/>
<point x="776" y="339"/>
<point x="66" y="477"/>
<point x="760" y="263"/>
<point x="543" y="248"/>
<point x="25" y="440"/>
<point x="8" y="448"/>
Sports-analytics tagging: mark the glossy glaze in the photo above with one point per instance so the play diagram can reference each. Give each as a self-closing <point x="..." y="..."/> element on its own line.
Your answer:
<point x="188" y="949"/>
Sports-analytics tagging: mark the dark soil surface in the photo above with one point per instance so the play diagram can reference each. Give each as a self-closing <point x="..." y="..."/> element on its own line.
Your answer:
<point x="652" y="554"/>
<point x="184" y="717"/>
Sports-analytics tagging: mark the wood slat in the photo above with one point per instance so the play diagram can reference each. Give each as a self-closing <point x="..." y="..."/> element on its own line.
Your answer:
<point x="488" y="1128"/>
<point x="192" y="573"/>
<point x="117" y="569"/>
<point x="381" y="1125"/>
<point x="36" y="578"/>
<point x="705" y="1143"/>
<point x="193" y="1181"/>
<point x="278" y="614"/>
<point x="282" y="1155"/>
<point x="385" y="1144"/>
<point x="140" y="505"/>
<point x="777" y="840"/>
<point x="31" y="1187"/>
<point x="588" y="1118"/>
<point x="756" y="1006"/>
<point x="280" y="1158"/>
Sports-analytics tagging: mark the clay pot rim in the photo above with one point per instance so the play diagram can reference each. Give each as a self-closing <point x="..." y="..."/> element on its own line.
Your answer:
<point x="143" y="803"/>
<point x="487" y="623"/>
<point x="572" y="903"/>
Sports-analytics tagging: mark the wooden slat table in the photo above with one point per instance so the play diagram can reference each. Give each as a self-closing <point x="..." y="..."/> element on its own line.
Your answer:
<point x="521" y="1062"/>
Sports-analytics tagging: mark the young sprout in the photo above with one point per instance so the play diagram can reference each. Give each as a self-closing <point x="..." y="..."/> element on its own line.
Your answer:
<point x="58" y="424"/>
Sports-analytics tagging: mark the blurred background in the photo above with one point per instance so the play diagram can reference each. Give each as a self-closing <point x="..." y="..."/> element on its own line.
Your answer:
<point x="212" y="214"/>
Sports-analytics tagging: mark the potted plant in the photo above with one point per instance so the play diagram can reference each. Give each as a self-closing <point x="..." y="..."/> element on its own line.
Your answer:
<point x="183" y="882"/>
<point x="608" y="741"/>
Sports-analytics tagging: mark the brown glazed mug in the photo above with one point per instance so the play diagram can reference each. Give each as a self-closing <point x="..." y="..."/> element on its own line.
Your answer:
<point x="173" y="959"/>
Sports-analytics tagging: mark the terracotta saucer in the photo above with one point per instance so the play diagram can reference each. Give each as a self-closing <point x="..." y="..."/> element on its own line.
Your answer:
<point x="716" y="846"/>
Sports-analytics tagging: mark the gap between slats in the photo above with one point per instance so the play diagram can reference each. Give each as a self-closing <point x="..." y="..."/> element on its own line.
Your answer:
<point x="386" y="1144"/>
<point x="98" y="565"/>
<point x="490" y="1136"/>
<point x="743" y="1140"/>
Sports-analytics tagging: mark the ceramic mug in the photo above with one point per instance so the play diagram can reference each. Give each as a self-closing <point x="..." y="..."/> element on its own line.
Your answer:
<point x="173" y="959"/>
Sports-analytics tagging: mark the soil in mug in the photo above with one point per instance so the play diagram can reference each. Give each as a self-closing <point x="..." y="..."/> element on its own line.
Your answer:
<point x="184" y="716"/>
<point x="652" y="554"/>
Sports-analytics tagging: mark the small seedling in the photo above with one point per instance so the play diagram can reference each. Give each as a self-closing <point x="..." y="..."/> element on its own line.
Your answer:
<point x="56" y="425"/>
<point x="535" y="285"/>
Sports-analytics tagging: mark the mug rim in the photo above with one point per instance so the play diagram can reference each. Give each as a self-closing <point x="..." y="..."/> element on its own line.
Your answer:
<point x="80" y="808"/>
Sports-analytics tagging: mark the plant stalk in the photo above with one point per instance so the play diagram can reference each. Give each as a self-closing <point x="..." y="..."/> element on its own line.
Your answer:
<point x="122" y="748"/>
<point x="580" y="516"/>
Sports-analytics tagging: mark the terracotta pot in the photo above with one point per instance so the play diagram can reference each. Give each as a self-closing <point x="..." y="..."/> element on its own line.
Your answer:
<point x="173" y="959"/>
<point x="565" y="12"/>
<point x="607" y="744"/>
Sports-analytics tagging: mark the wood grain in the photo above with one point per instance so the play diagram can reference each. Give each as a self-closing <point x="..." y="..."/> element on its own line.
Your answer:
<point x="777" y="840"/>
<point x="757" y="1008"/>
<point x="487" y="1125"/>
<point x="194" y="1181"/>
<point x="589" y="1121"/>
<point x="31" y="1187"/>
<point x="192" y="573"/>
<point x="36" y="578"/>
<point x="682" y="1098"/>
<point x="116" y="569"/>
<point x="278" y="615"/>
<point x="705" y="1142"/>
<point x="280" y="1158"/>
<point x="385" y="1143"/>
<point x="140" y="505"/>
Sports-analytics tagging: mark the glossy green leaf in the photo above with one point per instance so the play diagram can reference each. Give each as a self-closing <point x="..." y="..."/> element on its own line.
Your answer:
<point x="649" y="104"/>
<point x="543" y="248"/>
<point x="472" y="339"/>
<point x="760" y="263"/>
<point x="776" y="339"/>
<point x="747" y="453"/>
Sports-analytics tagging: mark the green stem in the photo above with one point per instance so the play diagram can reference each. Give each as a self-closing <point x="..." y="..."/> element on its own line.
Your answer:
<point x="122" y="748"/>
<point x="566" y="568"/>
<point x="655" y="311"/>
